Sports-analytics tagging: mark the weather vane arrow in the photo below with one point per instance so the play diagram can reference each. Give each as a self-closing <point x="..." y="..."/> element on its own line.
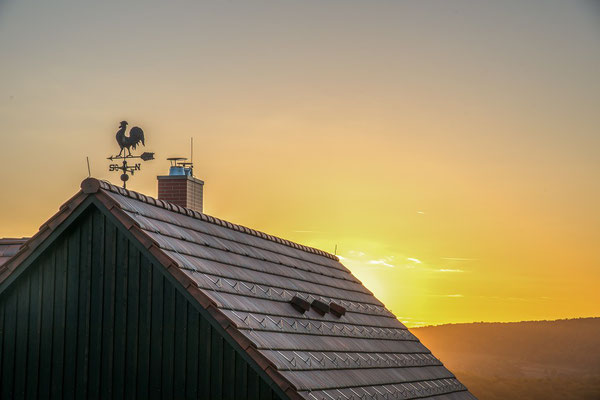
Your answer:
<point x="136" y="137"/>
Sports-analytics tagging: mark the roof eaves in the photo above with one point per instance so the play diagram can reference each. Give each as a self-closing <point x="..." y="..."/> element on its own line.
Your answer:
<point x="13" y="240"/>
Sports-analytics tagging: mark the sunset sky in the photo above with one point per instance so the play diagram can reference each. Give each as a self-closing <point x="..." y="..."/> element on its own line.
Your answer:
<point x="450" y="149"/>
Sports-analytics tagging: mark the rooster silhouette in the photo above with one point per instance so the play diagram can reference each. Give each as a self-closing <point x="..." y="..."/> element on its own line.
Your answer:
<point x="136" y="135"/>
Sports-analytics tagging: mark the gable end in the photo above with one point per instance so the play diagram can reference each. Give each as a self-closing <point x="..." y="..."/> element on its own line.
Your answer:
<point x="94" y="314"/>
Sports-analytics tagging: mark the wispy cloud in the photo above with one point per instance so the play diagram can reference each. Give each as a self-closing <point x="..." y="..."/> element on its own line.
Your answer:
<point x="452" y="295"/>
<point x="526" y="299"/>
<point x="356" y="257"/>
<point x="382" y="262"/>
<point x="421" y="212"/>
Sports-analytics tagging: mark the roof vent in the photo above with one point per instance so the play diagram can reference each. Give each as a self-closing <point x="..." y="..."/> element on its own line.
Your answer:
<point x="180" y="167"/>
<point x="337" y="310"/>
<point x="300" y="304"/>
<point x="320" y="307"/>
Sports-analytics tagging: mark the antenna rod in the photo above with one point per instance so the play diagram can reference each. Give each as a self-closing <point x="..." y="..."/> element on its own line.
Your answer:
<point x="88" y="164"/>
<point x="192" y="155"/>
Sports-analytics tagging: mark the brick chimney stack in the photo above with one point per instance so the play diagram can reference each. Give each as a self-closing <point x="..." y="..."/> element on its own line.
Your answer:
<point x="180" y="186"/>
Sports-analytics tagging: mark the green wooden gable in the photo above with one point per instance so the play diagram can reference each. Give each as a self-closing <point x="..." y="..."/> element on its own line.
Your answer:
<point x="93" y="315"/>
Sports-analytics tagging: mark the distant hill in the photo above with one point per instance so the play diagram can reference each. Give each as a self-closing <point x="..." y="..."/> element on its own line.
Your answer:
<point x="521" y="360"/>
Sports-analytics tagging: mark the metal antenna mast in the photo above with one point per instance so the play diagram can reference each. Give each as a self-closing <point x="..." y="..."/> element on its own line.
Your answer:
<point x="88" y="164"/>
<point x="192" y="166"/>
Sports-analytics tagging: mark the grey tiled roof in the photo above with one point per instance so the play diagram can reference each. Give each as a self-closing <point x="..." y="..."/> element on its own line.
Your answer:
<point x="250" y="278"/>
<point x="9" y="247"/>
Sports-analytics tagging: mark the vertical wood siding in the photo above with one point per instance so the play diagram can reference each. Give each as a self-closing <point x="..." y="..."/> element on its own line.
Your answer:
<point x="94" y="318"/>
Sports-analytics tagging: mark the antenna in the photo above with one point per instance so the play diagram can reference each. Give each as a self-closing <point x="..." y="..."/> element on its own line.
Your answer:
<point x="88" y="164"/>
<point x="192" y="156"/>
<point x="335" y="251"/>
<point x="192" y="166"/>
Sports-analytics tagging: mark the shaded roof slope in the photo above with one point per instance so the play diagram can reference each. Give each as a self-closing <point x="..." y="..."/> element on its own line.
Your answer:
<point x="9" y="247"/>
<point x="245" y="279"/>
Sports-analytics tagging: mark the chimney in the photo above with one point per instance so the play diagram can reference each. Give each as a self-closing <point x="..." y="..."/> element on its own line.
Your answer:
<point x="180" y="186"/>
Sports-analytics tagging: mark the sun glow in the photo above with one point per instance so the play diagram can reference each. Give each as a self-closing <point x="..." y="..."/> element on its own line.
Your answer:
<point x="452" y="163"/>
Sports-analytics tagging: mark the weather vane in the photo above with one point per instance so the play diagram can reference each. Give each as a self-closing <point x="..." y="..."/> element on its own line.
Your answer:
<point x="136" y="136"/>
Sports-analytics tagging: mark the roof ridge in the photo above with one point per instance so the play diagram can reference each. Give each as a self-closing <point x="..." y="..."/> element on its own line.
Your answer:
<point x="205" y="217"/>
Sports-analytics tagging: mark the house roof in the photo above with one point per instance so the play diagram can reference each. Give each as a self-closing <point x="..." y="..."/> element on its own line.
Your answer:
<point x="9" y="247"/>
<point x="246" y="280"/>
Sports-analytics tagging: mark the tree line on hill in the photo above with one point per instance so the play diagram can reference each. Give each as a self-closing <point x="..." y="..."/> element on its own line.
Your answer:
<point x="526" y="360"/>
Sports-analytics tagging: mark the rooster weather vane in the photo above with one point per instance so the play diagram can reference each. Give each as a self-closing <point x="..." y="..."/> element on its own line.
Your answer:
<point x="136" y="136"/>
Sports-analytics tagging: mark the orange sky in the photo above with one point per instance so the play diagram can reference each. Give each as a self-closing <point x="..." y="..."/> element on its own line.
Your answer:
<point x="449" y="150"/>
